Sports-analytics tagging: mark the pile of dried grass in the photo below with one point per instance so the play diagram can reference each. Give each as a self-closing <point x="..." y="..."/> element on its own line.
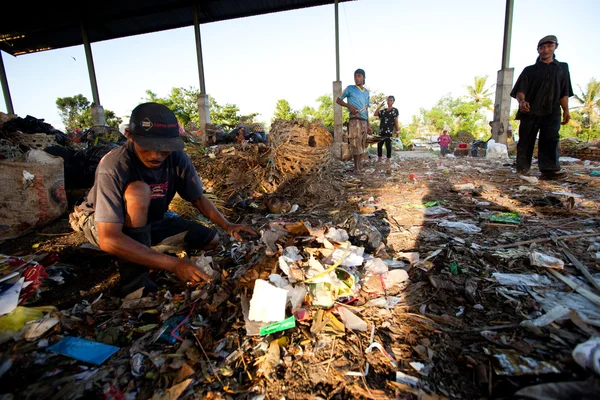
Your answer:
<point x="297" y="162"/>
<point x="186" y="210"/>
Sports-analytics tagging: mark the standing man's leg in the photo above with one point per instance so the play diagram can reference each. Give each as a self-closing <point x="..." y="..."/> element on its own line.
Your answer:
<point x="528" y="129"/>
<point x="548" y="144"/>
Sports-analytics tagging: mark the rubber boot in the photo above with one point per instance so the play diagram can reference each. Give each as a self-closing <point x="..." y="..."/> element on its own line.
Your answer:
<point x="135" y="276"/>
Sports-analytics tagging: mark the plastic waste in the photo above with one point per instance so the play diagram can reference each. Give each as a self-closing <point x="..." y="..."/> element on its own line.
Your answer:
<point x="351" y="320"/>
<point x="83" y="349"/>
<point x="463" y="226"/>
<point x="587" y="354"/>
<point x="287" y="323"/>
<point x="496" y="150"/>
<point x="506" y="217"/>
<point x="267" y="303"/>
<point x="540" y="259"/>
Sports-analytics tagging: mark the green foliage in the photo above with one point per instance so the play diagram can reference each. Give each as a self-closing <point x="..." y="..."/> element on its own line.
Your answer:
<point x="323" y="112"/>
<point x="589" y="107"/>
<point x="455" y="115"/>
<point x="76" y="112"/>
<point x="479" y="94"/>
<point x="284" y="111"/>
<point x="184" y="104"/>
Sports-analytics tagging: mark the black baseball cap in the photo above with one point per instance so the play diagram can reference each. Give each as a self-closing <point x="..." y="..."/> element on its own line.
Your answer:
<point x="154" y="127"/>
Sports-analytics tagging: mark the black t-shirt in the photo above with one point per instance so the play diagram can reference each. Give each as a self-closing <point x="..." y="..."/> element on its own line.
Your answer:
<point x="122" y="166"/>
<point x="544" y="85"/>
<point x="387" y="118"/>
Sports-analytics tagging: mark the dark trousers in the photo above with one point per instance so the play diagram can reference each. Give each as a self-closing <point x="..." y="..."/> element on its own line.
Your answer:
<point x="134" y="276"/>
<point x="548" y="127"/>
<point x="388" y="147"/>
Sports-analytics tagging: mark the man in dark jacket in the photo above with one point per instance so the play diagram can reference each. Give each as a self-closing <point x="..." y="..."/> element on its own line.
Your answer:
<point x="542" y="90"/>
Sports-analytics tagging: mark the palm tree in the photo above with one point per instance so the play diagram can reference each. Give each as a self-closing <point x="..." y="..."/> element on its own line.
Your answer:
<point x="590" y="104"/>
<point x="479" y="94"/>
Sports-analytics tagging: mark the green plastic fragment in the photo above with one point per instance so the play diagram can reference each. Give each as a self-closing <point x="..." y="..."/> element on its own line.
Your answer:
<point x="506" y="217"/>
<point x="278" y="326"/>
<point x="595" y="173"/>
<point x="454" y="268"/>
<point x="430" y="203"/>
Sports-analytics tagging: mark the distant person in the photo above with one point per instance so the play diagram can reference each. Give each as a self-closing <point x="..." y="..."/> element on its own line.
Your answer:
<point x="388" y="127"/>
<point x="542" y="90"/>
<point x="358" y="126"/>
<point x="124" y="212"/>
<point x="444" y="140"/>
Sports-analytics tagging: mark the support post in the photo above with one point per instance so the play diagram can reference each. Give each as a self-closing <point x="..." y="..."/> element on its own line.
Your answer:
<point x="337" y="91"/>
<point x="5" y="89"/>
<point x="203" y="109"/>
<point x="97" y="109"/>
<point x="504" y="83"/>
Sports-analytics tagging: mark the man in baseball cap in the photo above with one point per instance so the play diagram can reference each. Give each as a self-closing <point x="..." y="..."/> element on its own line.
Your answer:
<point x="154" y="127"/>
<point x="542" y="90"/>
<point x="124" y="213"/>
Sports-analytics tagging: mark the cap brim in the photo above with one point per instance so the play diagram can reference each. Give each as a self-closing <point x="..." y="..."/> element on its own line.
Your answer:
<point x="159" y="144"/>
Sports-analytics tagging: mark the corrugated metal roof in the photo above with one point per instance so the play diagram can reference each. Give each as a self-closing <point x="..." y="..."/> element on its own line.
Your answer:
<point x="39" y="26"/>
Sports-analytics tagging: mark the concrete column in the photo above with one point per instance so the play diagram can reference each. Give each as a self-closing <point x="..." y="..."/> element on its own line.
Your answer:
<point x="203" y="111"/>
<point x="337" y="120"/>
<point x="502" y="105"/>
<point x="98" y="115"/>
<point x="5" y="89"/>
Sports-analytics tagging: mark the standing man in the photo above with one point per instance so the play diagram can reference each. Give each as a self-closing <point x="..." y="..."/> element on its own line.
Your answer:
<point x="444" y="140"/>
<point x="358" y="126"/>
<point x="542" y="90"/>
<point x="387" y="128"/>
<point x="124" y="212"/>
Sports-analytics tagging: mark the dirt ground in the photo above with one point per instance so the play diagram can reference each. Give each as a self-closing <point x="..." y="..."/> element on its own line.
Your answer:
<point x="452" y="323"/>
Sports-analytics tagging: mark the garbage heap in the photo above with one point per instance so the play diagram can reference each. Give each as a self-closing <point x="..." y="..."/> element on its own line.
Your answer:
<point x="294" y="297"/>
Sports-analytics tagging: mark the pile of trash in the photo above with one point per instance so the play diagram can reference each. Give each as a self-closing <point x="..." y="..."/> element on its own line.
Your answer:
<point x="275" y="307"/>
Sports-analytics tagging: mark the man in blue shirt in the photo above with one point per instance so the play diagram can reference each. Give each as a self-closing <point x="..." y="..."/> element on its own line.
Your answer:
<point x="358" y="126"/>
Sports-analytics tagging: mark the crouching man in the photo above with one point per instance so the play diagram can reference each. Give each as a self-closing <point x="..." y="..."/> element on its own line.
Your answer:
<point x="124" y="211"/>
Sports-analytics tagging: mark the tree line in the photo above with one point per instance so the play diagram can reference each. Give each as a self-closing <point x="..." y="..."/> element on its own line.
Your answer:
<point x="469" y="112"/>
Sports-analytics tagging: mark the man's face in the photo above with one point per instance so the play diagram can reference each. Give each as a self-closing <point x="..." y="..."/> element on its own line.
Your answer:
<point x="390" y="101"/>
<point x="546" y="51"/>
<point x="359" y="79"/>
<point x="150" y="158"/>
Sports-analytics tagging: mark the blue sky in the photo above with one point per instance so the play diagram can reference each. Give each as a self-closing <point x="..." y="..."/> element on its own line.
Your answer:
<point x="417" y="51"/>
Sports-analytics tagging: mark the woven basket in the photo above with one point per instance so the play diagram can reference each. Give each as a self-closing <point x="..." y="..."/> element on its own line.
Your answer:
<point x="300" y="147"/>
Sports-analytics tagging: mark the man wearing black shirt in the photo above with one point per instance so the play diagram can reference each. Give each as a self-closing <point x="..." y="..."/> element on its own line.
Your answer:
<point x="542" y="90"/>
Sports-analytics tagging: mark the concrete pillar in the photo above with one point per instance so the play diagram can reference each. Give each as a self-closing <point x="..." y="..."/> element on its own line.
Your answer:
<point x="203" y="111"/>
<point x="5" y="89"/>
<point x="337" y="120"/>
<point x="98" y="115"/>
<point x="502" y="105"/>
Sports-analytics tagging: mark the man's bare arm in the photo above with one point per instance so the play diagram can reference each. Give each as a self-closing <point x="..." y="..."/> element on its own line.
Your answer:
<point x="208" y="209"/>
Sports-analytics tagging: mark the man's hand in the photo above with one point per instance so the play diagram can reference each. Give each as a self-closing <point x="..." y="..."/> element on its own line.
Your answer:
<point x="187" y="272"/>
<point x="566" y="117"/>
<point x="235" y="230"/>
<point x="524" y="106"/>
<point x="353" y="110"/>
